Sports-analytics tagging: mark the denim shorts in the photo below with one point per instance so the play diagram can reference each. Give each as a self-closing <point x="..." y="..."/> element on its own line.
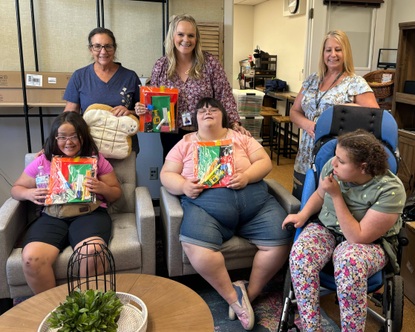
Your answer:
<point x="70" y="231"/>
<point x="218" y="214"/>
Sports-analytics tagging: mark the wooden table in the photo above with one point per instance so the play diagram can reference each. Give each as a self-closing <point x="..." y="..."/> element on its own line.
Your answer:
<point x="171" y="306"/>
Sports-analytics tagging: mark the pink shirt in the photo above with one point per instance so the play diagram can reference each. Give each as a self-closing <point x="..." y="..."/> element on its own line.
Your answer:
<point x="243" y="147"/>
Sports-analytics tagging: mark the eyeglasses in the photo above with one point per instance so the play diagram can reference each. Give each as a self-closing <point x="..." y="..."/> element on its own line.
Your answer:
<point x="73" y="138"/>
<point x="210" y="110"/>
<point x="99" y="47"/>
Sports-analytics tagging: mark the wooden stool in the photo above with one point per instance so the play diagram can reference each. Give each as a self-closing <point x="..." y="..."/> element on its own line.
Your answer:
<point x="278" y="122"/>
<point x="267" y="113"/>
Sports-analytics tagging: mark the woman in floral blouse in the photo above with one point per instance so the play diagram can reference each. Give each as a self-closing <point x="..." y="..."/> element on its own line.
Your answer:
<point x="195" y="73"/>
<point x="335" y="83"/>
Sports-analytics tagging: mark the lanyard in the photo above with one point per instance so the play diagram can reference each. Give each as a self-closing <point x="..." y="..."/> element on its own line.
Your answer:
<point x="318" y="100"/>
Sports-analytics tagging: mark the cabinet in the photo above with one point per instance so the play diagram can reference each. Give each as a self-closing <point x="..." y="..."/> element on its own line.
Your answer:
<point x="403" y="103"/>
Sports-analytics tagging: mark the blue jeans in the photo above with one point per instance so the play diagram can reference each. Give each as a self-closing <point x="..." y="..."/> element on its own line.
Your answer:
<point x="218" y="214"/>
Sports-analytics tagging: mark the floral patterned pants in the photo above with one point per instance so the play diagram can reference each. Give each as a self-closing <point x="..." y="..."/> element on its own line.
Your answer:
<point x="353" y="264"/>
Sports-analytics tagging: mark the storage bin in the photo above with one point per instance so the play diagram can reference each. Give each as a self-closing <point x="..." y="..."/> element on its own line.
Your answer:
<point x="253" y="124"/>
<point x="248" y="102"/>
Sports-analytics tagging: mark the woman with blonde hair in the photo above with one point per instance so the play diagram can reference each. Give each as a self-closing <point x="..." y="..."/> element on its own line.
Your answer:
<point x="195" y="73"/>
<point x="334" y="83"/>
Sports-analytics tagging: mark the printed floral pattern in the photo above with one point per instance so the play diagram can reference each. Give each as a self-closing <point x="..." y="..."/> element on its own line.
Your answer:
<point x="353" y="264"/>
<point x="213" y="83"/>
<point x="343" y="93"/>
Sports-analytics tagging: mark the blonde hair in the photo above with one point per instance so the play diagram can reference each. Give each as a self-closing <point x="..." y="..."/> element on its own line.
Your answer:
<point x="198" y="58"/>
<point x="343" y="40"/>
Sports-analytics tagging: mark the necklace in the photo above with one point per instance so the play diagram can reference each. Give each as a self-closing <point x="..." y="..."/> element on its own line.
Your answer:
<point x="201" y="139"/>
<point x="187" y="72"/>
<point x="318" y="100"/>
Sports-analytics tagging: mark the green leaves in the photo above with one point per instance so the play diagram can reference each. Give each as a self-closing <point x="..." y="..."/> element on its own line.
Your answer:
<point x="87" y="311"/>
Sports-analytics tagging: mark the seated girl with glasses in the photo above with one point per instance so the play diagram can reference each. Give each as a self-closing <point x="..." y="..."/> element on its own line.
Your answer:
<point x="213" y="216"/>
<point x="47" y="235"/>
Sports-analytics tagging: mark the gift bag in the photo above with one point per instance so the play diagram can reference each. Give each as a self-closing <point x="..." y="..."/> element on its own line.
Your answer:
<point x="161" y="103"/>
<point x="213" y="162"/>
<point x="67" y="180"/>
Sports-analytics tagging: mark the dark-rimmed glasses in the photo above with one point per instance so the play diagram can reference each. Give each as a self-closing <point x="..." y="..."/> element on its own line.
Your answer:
<point x="99" y="47"/>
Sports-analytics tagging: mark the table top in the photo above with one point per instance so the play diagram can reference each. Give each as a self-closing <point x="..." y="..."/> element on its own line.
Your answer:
<point x="171" y="305"/>
<point x="282" y="95"/>
<point x="290" y="95"/>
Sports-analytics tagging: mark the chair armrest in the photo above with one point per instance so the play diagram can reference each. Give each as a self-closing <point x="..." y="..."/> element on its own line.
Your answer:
<point x="171" y="214"/>
<point x="13" y="219"/>
<point x="146" y="228"/>
<point x="289" y="203"/>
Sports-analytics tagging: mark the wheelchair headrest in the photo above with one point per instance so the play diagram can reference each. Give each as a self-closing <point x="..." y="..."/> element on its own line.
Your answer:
<point x="340" y="119"/>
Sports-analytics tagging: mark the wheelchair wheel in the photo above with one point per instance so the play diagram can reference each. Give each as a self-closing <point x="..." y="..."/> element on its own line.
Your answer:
<point x="397" y="303"/>
<point x="289" y="305"/>
<point x="287" y="284"/>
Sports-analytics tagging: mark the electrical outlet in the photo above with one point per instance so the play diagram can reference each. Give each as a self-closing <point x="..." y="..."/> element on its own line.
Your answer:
<point x="154" y="173"/>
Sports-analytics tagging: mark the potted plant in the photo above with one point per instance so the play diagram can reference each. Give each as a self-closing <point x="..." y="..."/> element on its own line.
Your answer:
<point x="90" y="310"/>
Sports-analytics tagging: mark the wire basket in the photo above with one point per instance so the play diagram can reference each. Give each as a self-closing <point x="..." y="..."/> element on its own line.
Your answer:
<point x="381" y="89"/>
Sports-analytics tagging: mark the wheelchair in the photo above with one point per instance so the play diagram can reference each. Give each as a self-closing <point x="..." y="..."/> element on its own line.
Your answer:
<point x="385" y="288"/>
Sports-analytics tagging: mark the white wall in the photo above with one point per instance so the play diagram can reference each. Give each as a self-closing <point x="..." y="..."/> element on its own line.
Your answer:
<point x="401" y="11"/>
<point x="264" y="25"/>
<point x="243" y="37"/>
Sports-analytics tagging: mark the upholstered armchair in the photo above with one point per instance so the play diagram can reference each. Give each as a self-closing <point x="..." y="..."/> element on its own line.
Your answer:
<point x="238" y="252"/>
<point x="133" y="242"/>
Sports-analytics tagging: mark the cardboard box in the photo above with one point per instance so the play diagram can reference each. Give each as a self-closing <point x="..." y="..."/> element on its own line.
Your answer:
<point x="42" y="88"/>
<point x="34" y="96"/>
<point x="408" y="263"/>
<point x="35" y="80"/>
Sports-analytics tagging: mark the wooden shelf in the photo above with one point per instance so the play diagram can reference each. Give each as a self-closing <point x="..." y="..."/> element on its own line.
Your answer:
<point x="403" y="104"/>
<point x="406" y="98"/>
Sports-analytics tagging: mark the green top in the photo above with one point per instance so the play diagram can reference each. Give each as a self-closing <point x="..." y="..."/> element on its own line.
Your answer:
<point x="383" y="193"/>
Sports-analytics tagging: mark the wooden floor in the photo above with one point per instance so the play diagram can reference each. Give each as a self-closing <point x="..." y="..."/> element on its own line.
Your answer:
<point x="283" y="173"/>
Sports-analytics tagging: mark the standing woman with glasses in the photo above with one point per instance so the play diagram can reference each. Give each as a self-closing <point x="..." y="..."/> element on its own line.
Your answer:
<point x="104" y="81"/>
<point x="195" y="73"/>
<point x="47" y="235"/>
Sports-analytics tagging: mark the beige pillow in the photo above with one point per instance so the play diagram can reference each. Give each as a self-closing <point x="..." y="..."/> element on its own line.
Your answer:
<point x="111" y="133"/>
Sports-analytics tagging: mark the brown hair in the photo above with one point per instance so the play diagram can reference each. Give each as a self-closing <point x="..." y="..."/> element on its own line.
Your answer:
<point x="98" y="31"/>
<point x="209" y="101"/>
<point x="364" y="147"/>
<point x="88" y="146"/>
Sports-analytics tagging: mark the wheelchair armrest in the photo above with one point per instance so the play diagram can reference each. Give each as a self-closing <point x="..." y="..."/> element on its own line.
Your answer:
<point x="289" y="203"/>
